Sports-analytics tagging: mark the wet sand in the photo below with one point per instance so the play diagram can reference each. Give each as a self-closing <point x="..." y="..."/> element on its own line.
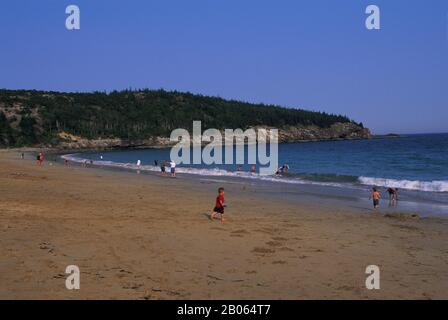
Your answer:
<point x="147" y="237"/>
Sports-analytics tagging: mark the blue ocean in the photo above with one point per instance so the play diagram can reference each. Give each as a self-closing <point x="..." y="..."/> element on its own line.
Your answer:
<point x="412" y="163"/>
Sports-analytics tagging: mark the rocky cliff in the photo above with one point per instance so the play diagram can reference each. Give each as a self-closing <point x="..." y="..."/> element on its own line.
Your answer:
<point x="338" y="131"/>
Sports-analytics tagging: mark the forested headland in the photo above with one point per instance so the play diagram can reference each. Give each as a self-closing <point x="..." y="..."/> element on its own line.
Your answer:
<point x="31" y="117"/>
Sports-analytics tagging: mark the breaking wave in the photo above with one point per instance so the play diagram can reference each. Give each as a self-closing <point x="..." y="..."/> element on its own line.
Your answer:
<point x="292" y="178"/>
<point x="431" y="186"/>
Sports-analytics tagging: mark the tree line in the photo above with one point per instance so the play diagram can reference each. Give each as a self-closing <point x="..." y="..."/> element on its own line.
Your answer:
<point x="28" y="117"/>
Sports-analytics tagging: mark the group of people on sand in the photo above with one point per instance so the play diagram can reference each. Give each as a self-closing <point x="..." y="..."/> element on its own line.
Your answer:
<point x="86" y="163"/>
<point x="376" y="196"/>
<point x="163" y="164"/>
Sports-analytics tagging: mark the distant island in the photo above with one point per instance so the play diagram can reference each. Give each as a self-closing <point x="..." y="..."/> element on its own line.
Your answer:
<point x="386" y="136"/>
<point x="145" y="118"/>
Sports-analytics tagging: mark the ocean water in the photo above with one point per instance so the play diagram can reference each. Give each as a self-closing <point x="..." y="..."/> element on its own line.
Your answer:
<point x="417" y="164"/>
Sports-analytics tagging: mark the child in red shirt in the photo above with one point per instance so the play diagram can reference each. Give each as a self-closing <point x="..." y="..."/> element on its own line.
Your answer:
<point x="219" y="206"/>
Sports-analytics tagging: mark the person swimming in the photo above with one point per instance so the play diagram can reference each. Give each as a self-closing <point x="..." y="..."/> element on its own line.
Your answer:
<point x="282" y="170"/>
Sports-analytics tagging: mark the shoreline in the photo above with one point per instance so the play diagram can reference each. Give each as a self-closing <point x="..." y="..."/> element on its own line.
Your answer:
<point x="331" y="193"/>
<point x="148" y="237"/>
<point x="347" y="194"/>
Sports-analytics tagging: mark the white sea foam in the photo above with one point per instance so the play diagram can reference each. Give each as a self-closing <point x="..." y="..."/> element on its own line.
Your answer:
<point x="432" y="186"/>
<point x="212" y="172"/>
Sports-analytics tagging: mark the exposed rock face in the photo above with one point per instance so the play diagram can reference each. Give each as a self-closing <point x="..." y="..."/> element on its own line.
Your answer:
<point x="338" y="131"/>
<point x="116" y="143"/>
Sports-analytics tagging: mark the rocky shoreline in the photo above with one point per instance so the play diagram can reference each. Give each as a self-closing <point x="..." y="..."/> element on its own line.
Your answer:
<point x="338" y="131"/>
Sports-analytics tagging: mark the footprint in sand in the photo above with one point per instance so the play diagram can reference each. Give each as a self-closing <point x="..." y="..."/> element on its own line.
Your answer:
<point x="291" y="225"/>
<point x="270" y="231"/>
<point x="274" y="243"/>
<point x="46" y="246"/>
<point x="241" y="231"/>
<point x="123" y="274"/>
<point x="286" y="249"/>
<point x="279" y="239"/>
<point x="263" y="250"/>
<point x="133" y="286"/>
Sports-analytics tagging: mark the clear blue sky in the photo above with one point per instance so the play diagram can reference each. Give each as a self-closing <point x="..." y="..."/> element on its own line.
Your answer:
<point x="315" y="54"/>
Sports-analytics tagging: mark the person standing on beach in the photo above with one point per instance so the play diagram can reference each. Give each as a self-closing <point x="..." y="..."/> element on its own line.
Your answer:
<point x="393" y="196"/>
<point x="162" y="167"/>
<point x="139" y="164"/>
<point x="40" y="158"/>
<point x="219" y="205"/>
<point x="173" y="168"/>
<point x="376" y="198"/>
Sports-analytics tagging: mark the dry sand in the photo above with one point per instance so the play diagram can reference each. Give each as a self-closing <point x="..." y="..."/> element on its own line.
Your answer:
<point x="148" y="237"/>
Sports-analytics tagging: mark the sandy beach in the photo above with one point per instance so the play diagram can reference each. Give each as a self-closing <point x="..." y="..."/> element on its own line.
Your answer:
<point x="147" y="237"/>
